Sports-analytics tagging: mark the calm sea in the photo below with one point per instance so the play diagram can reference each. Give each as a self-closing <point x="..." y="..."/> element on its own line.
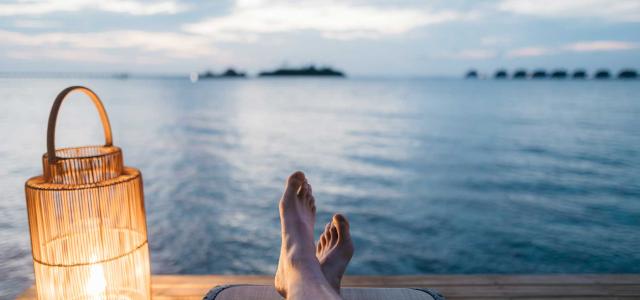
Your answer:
<point x="436" y="176"/>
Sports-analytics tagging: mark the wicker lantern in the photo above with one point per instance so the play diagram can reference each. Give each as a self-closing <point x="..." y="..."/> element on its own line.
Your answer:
<point x="87" y="220"/>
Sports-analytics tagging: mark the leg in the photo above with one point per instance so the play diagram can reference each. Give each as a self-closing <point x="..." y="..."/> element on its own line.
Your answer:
<point x="299" y="275"/>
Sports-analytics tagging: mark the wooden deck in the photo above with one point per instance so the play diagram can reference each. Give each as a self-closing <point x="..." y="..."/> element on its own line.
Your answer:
<point x="499" y="287"/>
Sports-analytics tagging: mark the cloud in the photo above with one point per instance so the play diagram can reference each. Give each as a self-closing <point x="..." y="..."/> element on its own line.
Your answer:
<point x="601" y="46"/>
<point x="132" y="7"/>
<point x="587" y="46"/>
<point x="166" y="44"/>
<point x="529" y="52"/>
<point x="333" y="19"/>
<point x="495" y="40"/>
<point x="34" y="24"/>
<point x="616" y="11"/>
<point x="72" y="55"/>
<point x="473" y="54"/>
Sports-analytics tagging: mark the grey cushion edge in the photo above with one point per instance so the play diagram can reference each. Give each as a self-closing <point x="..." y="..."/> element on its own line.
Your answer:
<point x="214" y="292"/>
<point x="433" y="293"/>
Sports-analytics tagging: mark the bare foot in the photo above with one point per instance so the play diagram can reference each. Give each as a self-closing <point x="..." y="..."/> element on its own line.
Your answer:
<point x="334" y="250"/>
<point x="299" y="275"/>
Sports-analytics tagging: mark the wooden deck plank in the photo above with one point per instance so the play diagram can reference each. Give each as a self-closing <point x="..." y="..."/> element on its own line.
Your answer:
<point x="421" y="280"/>
<point x="456" y="287"/>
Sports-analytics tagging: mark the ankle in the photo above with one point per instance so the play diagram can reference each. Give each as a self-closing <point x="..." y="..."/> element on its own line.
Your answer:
<point x="302" y="261"/>
<point x="300" y="251"/>
<point x="301" y="285"/>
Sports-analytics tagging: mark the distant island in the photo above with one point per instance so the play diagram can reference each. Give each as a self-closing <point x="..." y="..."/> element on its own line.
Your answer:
<point x="306" y="71"/>
<point x="500" y="74"/>
<point x="229" y="73"/>
<point x="628" y="74"/>
<point x="520" y="74"/>
<point x="602" y="74"/>
<point x="472" y="74"/>
<point x="579" y="74"/>
<point x="539" y="74"/>
<point x="559" y="74"/>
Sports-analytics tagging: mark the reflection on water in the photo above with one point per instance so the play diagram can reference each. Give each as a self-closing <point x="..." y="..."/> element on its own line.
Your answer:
<point x="437" y="176"/>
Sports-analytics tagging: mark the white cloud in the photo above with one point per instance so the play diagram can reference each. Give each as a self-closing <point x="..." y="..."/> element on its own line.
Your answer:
<point x="495" y="40"/>
<point x="529" y="52"/>
<point x="132" y="7"/>
<point x="34" y="24"/>
<point x="587" y="46"/>
<point x="72" y="55"/>
<point x="333" y="19"/>
<point x="618" y="10"/>
<point x="473" y="54"/>
<point x="166" y="44"/>
<point x="601" y="46"/>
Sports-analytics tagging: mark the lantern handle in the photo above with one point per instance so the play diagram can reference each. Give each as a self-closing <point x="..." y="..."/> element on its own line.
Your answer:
<point x="53" y="116"/>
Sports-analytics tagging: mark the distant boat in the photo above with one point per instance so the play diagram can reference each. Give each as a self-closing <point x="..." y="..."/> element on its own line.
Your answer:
<point x="308" y="71"/>
<point x="520" y="74"/>
<point x="628" y="74"/>
<point x="472" y="74"/>
<point x="602" y="74"/>
<point x="500" y="74"/>
<point x="559" y="74"/>
<point x="229" y="73"/>
<point x="579" y="74"/>
<point x="539" y="74"/>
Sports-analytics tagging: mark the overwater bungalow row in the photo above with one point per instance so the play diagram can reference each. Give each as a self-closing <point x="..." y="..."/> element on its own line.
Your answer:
<point x="554" y="74"/>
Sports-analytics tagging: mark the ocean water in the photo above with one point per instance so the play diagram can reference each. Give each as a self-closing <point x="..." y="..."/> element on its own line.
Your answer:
<point x="436" y="176"/>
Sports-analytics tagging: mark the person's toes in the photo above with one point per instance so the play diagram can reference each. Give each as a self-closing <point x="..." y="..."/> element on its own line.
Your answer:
<point x="294" y="182"/>
<point x="342" y="225"/>
<point x="324" y="238"/>
<point x="339" y="219"/>
<point x="312" y="203"/>
<point x="303" y="193"/>
<point x="333" y="239"/>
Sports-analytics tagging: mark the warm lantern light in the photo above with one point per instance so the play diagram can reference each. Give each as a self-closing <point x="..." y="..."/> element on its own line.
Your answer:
<point x="87" y="220"/>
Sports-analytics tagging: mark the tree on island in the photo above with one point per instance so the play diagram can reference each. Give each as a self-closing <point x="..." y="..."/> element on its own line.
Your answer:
<point x="232" y="73"/>
<point x="310" y="70"/>
<point x="229" y="73"/>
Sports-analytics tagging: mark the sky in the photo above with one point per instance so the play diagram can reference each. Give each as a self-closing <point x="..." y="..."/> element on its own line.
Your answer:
<point x="361" y="37"/>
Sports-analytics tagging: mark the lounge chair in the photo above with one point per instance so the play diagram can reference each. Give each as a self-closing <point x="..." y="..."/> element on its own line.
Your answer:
<point x="266" y="292"/>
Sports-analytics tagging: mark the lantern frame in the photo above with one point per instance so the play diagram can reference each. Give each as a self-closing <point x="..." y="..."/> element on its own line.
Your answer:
<point x="87" y="219"/>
